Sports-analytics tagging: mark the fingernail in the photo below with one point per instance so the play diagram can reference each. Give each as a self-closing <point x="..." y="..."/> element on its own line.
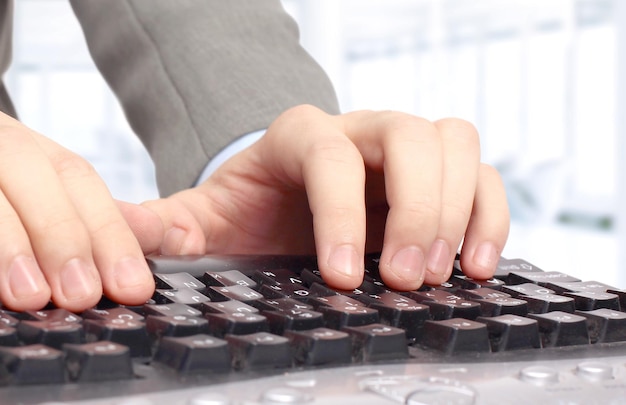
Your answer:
<point x="25" y="278"/>
<point x="172" y="241"/>
<point x="486" y="256"/>
<point x="131" y="272"/>
<point x="438" y="262"/>
<point x="345" y="260"/>
<point x="77" y="281"/>
<point x="408" y="263"/>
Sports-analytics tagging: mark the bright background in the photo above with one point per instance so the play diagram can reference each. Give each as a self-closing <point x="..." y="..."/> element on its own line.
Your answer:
<point x="540" y="79"/>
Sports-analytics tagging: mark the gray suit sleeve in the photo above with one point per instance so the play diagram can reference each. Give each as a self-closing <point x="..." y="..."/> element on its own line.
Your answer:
<point x="193" y="75"/>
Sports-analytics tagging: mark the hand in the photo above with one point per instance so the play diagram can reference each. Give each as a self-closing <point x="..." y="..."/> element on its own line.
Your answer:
<point x="314" y="181"/>
<point x="62" y="236"/>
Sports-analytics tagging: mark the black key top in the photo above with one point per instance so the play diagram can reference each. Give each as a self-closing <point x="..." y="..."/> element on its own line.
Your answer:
<point x="543" y="279"/>
<point x="32" y="364"/>
<point x="228" y="307"/>
<point x="590" y="300"/>
<point x="177" y="281"/>
<point x="481" y="293"/>
<point x="234" y="292"/>
<point x="296" y="291"/>
<point x="340" y="311"/>
<point x="377" y="342"/>
<point x="228" y="278"/>
<point x="127" y="332"/>
<point x="175" y="325"/>
<point x="52" y="315"/>
<point x="456" y="335"/>
<point x="502" y="306"/>
<point x="50" y="333"/>
<point x="171" y="310"/>
<point x="8" y="336"/>
<point x="194" y="354"/>
<point x="287" y="314"/>
<point x="293" y="319"/>
<point x="469" y="283"/>
<point x="186" y="296"/>
<point x="579" y="286"/>
<point x="8" y="320"/>
<point x="512" y="332"/>
<point x="540" y="304"/>
<point x="278" y="277"/>
<point x="281" y="304"/>
<point x="259" y="350"/>
<point x="506" y="266"/>
<point x="605" y="325"/>
<point x="236" y="323"/>
<point x="444" y="305"/>
<point x="561" y="329"/>
<point x="525" y="289"/>
<point x="320" y="346"/>
<point x="121" y="313"/>
<point x="98" y="361"/>
<point x="399" y="311"/>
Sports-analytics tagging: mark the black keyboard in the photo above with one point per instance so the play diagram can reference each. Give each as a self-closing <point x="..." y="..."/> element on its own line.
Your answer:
<point x="226" y="330"/>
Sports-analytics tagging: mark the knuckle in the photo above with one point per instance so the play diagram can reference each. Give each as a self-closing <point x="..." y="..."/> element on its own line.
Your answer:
<point x="462" y="130"/>
<point x="69" y="165"/>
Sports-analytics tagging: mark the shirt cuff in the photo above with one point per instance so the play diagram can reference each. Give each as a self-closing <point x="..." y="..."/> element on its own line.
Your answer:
<point x="229" y="151"/>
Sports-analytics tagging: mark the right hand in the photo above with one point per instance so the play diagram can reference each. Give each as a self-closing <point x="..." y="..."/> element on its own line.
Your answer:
<point x="62" y="236"/>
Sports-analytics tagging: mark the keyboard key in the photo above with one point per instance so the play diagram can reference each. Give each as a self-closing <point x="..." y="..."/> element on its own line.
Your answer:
<point x="320" y="346"/>
<point x="468" y="283"/>
<point x="377" y="342"/>
<point x="259" y="350"/>
<point x="171" y="310"/>
<point x="605" y="325"/>
<point x="175" y="325"/>
<point x="236" y="323"/>
<point x="293" y="319"/>
<point x="456" y="335"/>
<point x="444" y="305"/>
<point x="8" y="336"/>
<point x="234" y="292"/>
<point x="341" y="311"/>
<point x="543" y="279"/>
<point x="127" y="332"/>
<point x="177" y="281"/>
<point x="194" y="354"/>
<point x="228" y="278"/>
<point x="526" y="289"/>
<point x="540" y="304"/>
<point x="561" y="329"/>
<point x="31" y="364"/>
<point x="512" y="332"/>
<point x="186" y="296"/>
<point x="50" y="333"/>
<point x="502" y="306"/>
<point x="98" y="361"/>
<point x="590" y="300"/>
<point x="398" y="311"/>
<point x="506" y="266"/>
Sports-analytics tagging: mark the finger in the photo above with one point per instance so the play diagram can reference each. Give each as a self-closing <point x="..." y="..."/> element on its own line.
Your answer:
<point x="409" y="149"/>
<point x="181" y="232"/>
<point x="117" y="255"/>
<point x="488" y="227"/>
<point x="56" y="232"/>
<point x="461" y="160"/>
<point x="331" y="168"/>
<point x="22" y="284"/>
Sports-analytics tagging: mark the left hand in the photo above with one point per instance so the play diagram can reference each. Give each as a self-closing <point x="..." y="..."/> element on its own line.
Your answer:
<point x="316" y="183"/>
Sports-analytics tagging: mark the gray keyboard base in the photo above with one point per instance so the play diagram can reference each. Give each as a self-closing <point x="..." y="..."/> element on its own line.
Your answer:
<point x="563" y="376"/>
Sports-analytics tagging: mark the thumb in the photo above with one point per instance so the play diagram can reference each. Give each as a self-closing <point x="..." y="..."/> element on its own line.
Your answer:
<point x="144" y="223"/>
